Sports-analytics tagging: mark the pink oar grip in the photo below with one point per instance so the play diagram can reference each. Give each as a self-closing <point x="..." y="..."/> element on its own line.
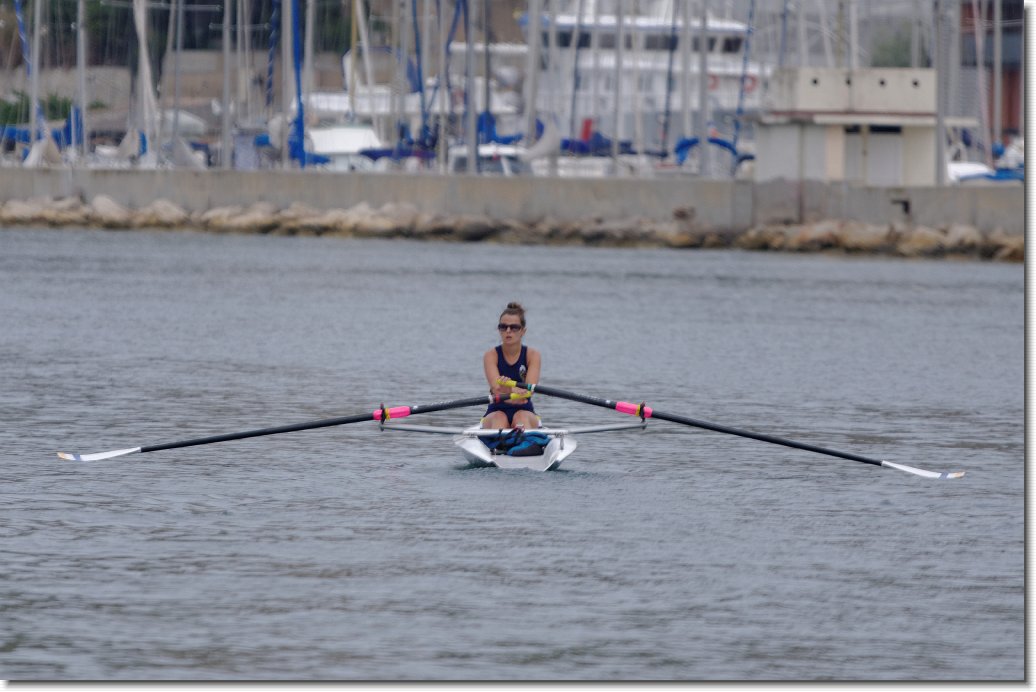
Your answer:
<point x="632" y="409"/>
<point x="393" y="412"/>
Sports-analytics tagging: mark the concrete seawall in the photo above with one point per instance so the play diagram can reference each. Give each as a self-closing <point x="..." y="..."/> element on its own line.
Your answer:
<point x="986" y="207"/>
<point x="777" y="215"/>
<point x="721" y="205"/>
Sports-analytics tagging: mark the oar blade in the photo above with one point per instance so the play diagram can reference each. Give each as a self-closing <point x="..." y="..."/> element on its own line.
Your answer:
<point x="922" y="473"/>
<point x="98" y="456"/>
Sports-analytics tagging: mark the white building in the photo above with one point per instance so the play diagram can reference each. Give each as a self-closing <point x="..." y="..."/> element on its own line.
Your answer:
<point x="874" y="126"/>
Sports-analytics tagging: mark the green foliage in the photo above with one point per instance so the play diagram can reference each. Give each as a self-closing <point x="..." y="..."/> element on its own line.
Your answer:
<point x="891" y="48"/>
<point x="112" y="36"/>
<point x="333" y="27"/>
<point x="17" y="111"/>
<point x="56" y="107"/>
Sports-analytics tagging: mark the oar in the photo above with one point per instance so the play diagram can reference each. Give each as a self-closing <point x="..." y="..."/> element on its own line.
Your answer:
<point x="382" y="414"/>
<point x="645" y="411"/>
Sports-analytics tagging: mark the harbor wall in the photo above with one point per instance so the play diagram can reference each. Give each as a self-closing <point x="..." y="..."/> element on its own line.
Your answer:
<point x="987" y="207"/>
<point x="722" y="206"/>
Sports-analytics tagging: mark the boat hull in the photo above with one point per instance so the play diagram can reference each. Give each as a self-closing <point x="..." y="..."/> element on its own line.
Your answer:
<point x="476" y="453"/>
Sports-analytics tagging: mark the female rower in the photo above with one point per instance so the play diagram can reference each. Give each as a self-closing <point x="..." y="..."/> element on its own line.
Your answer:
<point x="515" y="361"/>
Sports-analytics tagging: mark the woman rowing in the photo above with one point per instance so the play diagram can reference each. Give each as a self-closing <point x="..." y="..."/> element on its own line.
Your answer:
<point x="515" y="361"/>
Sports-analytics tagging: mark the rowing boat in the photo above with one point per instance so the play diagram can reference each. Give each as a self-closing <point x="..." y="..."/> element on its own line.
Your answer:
<point x="472" y="443"/>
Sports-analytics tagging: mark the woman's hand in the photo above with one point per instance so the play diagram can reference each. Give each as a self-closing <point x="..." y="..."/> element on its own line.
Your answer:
<point x="498" y="388"/>
<point x="520" y="397"/>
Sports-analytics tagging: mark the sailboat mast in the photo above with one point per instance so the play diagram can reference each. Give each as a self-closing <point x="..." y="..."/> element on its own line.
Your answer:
<point x="620" y="49"/>
<point x="81" y="75"/>
<point x="176" y="74"/>
<point x="224" y="148"/>
<point x="469" y="97"/>
<point x="800" y="26"/>
<point x="146" y="105"/>
<point x="239" y="65"/>
<point x="940" y="95"/>
<point x="703" y="91"/>
<point x="426" y="53"/>
<point x="998" y="77"/>
<point x="825" y="33"/>
<point x="637" y="46"/>
<point x="854" y="36"/>
<point x="34" y="77"/>
<point x="247" y="61"/>
<point x="361" y="23"/>
<point x="307" y="58"/>
<point x="979" y="26"/>
<point x="784" y="35"/>
<point x="532" y="70"/>
<point x="287" y="12"/>
<point x="574" y="48"/>
<point x="401" y="43"/>
<point x="353" y="47"/>
<point x="671" y="50"/>
<point x="595" y="52"/>
<point x="553" y="59"/>
<point x="485" y="45"/>
<point x="445" y="98"/>
<point x="685" y="66"/>
<point x="953" y="69"/>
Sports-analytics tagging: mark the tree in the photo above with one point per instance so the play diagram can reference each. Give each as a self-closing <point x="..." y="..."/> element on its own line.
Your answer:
<point x="891" y="48"/>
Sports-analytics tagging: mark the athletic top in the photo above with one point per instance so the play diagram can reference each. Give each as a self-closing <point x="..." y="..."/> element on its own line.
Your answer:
<point x="515" y="372"/>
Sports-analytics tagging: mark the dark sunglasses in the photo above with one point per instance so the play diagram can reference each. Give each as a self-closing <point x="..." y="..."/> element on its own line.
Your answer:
<point x="509" y="327"/>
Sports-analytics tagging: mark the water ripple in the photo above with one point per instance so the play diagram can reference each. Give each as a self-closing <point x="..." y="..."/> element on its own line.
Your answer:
<point x="347" y="553"/>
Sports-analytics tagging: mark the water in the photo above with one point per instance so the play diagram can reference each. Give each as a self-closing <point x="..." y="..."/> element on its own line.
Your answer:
<point x="349" y="553"/>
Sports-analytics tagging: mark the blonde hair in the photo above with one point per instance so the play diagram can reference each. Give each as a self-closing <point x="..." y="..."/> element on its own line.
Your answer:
<point x="515" y="309"/>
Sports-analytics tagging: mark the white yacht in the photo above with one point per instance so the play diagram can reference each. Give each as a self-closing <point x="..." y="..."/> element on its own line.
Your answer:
<point x="653" y="61"/>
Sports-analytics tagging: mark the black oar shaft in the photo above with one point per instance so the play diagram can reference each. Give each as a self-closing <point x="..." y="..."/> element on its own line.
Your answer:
<point x="398" y="412"/>
<point x="626" y="407"/>
<point x="764" y="438"/>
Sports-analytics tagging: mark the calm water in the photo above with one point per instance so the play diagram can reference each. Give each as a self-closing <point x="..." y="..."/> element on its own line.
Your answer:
<point x="349" y="553"/>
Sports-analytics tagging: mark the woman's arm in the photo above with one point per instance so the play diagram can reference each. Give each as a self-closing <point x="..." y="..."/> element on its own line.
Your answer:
<point x="532" y="375"/>
<point x="493" y="373"/>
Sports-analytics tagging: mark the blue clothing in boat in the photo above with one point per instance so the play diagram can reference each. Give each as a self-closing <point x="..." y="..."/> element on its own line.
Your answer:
<point x="515" y="371"/>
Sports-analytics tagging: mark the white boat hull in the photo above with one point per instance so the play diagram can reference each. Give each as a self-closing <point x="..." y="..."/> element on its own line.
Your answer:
<point x="477" y="453"/>
<point x="469" y="441"/>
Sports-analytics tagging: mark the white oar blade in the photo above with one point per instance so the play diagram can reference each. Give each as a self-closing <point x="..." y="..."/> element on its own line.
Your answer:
<point x="98" y="456"/>
<point x="922" y="472"/>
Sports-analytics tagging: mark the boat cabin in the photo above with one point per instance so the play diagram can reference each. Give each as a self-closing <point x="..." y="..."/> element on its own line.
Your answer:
<point x="493" y="159"/>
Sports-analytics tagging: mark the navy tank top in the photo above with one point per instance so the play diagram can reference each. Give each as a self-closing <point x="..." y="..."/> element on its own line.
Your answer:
<point x="516" y="372"/>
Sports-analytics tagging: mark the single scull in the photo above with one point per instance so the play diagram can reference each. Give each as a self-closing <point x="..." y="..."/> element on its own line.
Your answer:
<point x="472" y="443"/>
<point x="482" y="447"/>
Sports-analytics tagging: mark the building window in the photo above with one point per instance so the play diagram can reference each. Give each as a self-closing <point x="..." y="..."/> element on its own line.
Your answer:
<point x="732" y="44"/>
<point x="695" y="43"/>
<point x="660" y="42"/>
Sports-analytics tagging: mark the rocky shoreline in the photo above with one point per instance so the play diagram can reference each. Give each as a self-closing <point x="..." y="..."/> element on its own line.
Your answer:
<point x="406" y="221"/>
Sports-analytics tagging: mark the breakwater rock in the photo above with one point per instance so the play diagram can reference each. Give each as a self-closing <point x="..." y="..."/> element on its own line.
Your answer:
<point x="402" y="220"/>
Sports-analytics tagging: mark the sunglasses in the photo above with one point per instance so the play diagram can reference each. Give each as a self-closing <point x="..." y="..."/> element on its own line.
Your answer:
<point x="509" y="327"/>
